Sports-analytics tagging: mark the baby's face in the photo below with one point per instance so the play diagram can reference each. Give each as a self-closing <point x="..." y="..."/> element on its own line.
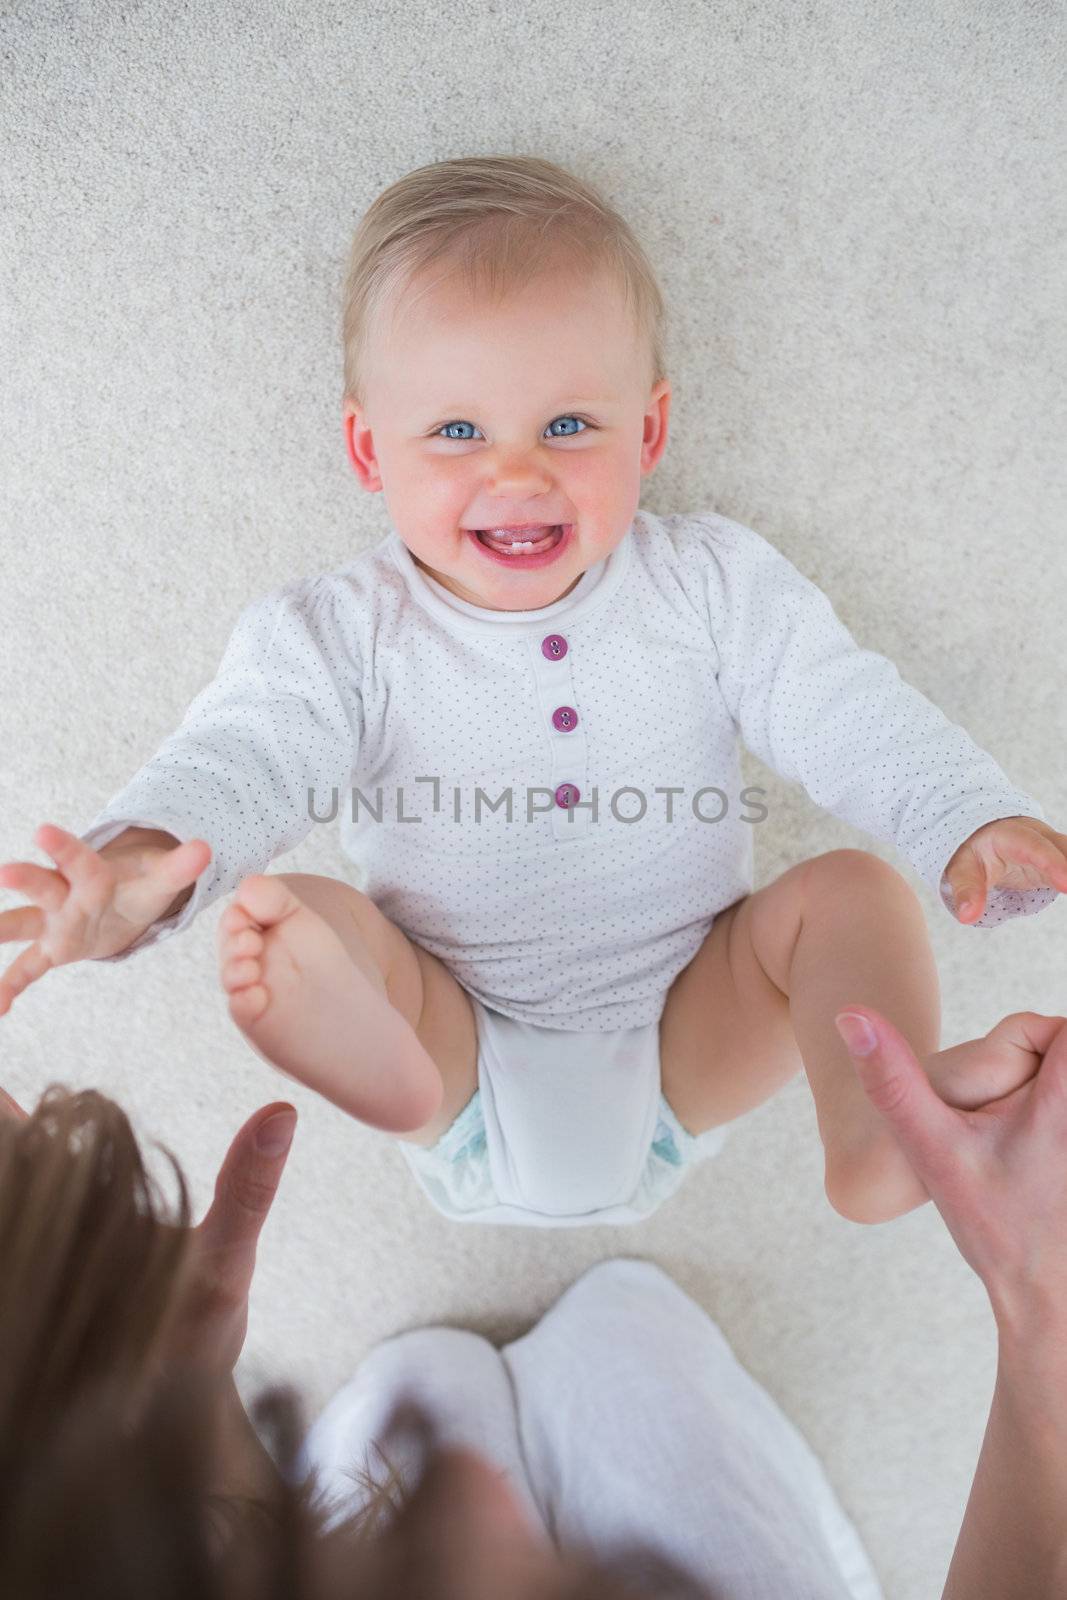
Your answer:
<point x="534" y="411"/>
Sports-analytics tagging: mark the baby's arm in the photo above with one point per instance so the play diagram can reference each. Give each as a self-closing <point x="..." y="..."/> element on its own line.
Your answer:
<point x="823" y="711"/>
<point x="223" y="796"/>
<point x="277" y="727"/>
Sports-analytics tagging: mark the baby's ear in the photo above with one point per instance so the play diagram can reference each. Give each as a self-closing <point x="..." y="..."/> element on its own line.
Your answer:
<point x="359" y="443"/>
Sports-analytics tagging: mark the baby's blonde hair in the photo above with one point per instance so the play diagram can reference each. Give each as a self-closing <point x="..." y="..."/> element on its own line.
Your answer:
<point x="500" y="220"/>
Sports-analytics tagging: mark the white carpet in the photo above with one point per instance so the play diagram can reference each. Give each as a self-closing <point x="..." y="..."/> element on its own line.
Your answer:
<point x="858" y="217"/>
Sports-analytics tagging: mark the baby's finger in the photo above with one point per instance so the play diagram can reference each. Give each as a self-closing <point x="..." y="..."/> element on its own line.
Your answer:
<point x="175" y="869"/>
<point x="79" y="863"/>
<point x="29" y="966"/>
<point x="967" y="889"/>
<point x="42" y="885"/>
<point x="1048" y="860"/>
<point x="24" y="922"/>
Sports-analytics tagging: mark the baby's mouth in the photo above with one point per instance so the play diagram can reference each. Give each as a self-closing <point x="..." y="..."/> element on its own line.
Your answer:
<point x="529" y="542"/>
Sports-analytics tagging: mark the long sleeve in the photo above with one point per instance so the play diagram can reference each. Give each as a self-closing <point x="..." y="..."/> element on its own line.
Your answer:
<point x="281" y="717"/>
<point x="837" y="718"/>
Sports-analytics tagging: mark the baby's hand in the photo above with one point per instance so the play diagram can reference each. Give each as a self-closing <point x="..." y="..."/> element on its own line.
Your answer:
<point x="1017" y="853"/>
<point x="94" y="905"/>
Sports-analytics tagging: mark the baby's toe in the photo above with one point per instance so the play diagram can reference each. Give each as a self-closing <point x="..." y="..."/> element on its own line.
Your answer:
<point x="234" y="920"/>
<point x="248" y="1005"/>
<point x="248" y="942"/>
<point x="266" y="898"/>
<point x="240" y="973"/>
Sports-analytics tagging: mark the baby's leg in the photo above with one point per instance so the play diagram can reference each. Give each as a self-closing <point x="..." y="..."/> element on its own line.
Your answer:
<point x="758" y="1001"/>
<point x="327" y="989"/>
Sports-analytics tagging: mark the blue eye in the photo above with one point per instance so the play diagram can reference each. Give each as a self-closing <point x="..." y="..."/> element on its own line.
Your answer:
<point x="552" y="424"/>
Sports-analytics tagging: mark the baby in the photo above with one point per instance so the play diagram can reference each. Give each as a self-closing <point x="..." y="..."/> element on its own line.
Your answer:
<point x="555" y="989"/>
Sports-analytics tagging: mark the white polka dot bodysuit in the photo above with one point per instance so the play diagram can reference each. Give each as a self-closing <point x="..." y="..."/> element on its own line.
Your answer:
<point x="550" y="801"/>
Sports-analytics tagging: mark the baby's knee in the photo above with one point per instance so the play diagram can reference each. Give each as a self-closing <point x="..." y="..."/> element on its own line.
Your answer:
<point x="848" y="871"/>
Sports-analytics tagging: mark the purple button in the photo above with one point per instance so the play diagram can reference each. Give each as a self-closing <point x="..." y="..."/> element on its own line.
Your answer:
<point x="554" y="647"/>
<point x="564" y="718"/>
<point x="568" y="794"/>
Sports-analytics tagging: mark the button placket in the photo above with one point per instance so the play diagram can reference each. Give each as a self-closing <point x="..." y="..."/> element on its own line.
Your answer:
<point x="551" y="658"/>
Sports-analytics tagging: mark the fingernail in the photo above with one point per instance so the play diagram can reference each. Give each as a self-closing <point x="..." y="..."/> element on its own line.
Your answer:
<point x="274" y="1136"/>
<point x="856" y="1032"/>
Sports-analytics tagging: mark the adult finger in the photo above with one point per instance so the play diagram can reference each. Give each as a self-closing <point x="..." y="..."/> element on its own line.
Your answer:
<point x="1031" y="1031"/>
<point x="928" y="1130"/>
<point x="248" y="1181"/>
<point x="11" y="1108"/>
<point x="1049" y="1035"/>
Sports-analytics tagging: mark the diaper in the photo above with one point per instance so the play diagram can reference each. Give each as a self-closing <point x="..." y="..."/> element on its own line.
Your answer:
<point x="565" y="1129"/>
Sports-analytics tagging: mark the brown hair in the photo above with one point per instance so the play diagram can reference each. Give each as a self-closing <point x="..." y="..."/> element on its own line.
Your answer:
<point x="107" y="1458"/>
<point x="499" y="221"/>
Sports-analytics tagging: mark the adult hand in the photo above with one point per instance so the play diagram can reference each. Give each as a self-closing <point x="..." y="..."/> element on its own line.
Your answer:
<point x="11" y="1108"/>
<point x="210" y="1326"/>
<point x="997" y="1173"/>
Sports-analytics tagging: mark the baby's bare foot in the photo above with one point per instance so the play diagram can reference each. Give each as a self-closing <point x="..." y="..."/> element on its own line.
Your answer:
<point x="304" y="1005"/>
